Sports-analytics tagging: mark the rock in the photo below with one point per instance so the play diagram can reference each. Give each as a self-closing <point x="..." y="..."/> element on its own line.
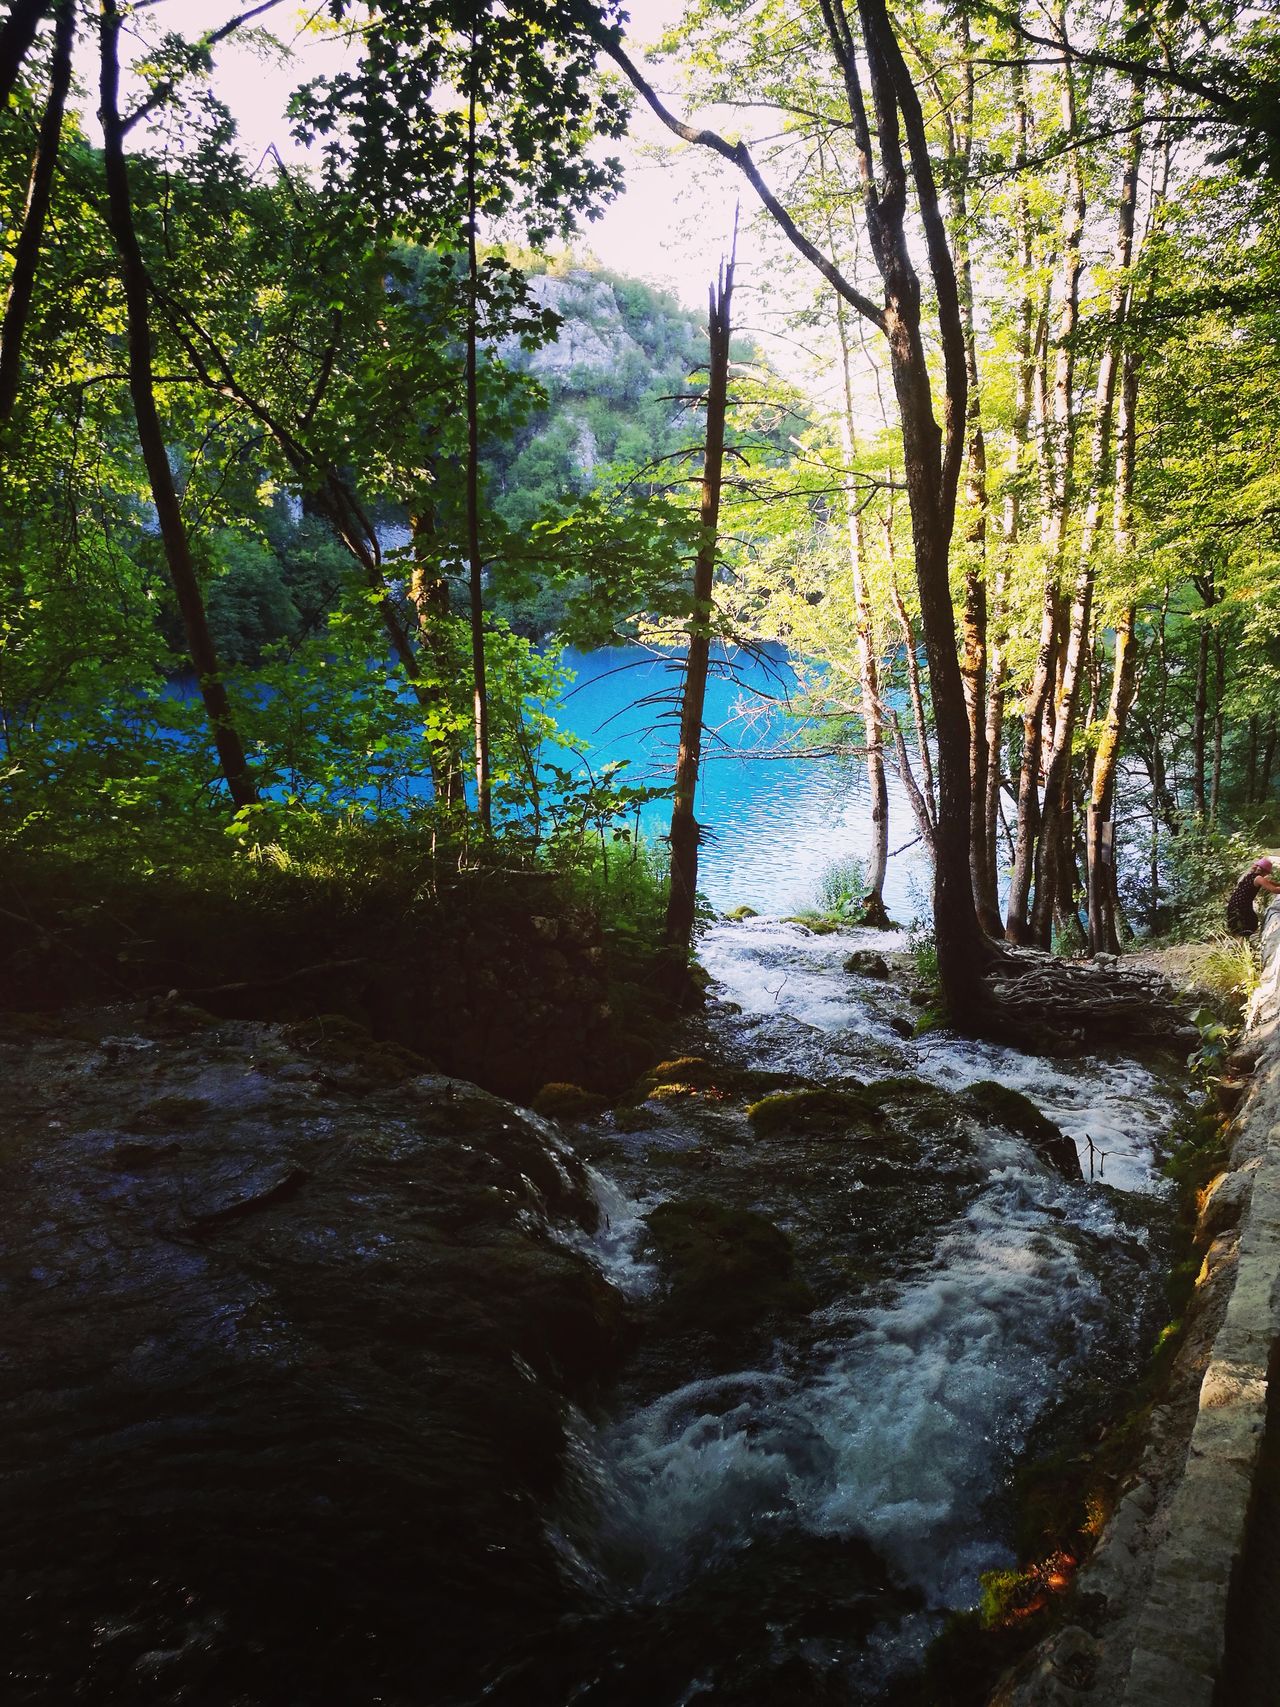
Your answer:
<point x="868" y="963"/>
<point x="567" y="1102"/>
<point x="724" y="1268"/>
<point x="737" y="913"/>
<point x="900" y="1026"/>
<point x="825" y="1110"/>
<point x="282" y="1394"/>
<point x="1224" y="1202"/>
<point x="1000" y="1106"/>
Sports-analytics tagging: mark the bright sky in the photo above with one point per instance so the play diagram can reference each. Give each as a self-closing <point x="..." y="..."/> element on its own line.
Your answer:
<point x="670" y="227"/>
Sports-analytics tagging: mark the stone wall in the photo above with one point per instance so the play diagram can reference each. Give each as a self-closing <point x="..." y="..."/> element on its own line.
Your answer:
<point x="1151" y="1605"/>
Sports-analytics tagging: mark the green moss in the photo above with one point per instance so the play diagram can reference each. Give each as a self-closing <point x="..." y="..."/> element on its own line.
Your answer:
<point x="559" y="1101"/>
<point x="724" y="1267"/>
<point x="812" y="1110"/>
<point x="818" y="923"/>
<point x="742" y="913"/>
<point x="341" y="1042"/>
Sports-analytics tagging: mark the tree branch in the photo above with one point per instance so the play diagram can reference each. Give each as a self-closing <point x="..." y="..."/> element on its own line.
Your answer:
<point x="739" y="155"/>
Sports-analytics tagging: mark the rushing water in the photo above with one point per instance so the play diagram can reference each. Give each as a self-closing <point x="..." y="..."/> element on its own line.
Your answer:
<point x="794" y="1520"/>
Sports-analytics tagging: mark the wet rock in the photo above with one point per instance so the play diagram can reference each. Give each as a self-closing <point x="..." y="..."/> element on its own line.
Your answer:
<point x="280" y="1396"/>
<point x="737" y="913"/>
<point x="821" y="1109"/>
<point x="723" y="1267"/>
<point x="868" y="963"/>
<point x="999" y="1105"/>
<point x="695" y="1075"/>
<point x="567" y="1102"/>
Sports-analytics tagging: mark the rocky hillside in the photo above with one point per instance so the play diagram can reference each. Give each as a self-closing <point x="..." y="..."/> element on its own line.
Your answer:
<point x="613" y="377"/>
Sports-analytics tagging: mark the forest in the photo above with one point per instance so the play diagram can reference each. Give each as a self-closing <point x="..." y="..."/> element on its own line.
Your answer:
<point x="332" y="475"/>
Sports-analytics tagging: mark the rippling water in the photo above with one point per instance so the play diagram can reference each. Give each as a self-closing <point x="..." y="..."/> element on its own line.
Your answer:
<point x="772" y="824"/>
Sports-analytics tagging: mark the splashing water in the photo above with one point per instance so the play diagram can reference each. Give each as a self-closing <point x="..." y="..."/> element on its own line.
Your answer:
<point x="896" y="1417"/>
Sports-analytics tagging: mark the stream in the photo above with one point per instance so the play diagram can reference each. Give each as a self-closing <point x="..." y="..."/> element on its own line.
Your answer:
<point x="788" y="1507"/>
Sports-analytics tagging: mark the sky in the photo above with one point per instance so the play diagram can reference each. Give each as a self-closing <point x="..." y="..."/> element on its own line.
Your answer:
<point x="669" y="227"/>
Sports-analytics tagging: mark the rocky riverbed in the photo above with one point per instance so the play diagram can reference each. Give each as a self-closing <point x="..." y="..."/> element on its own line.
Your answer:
<point x="330" y="1379"/>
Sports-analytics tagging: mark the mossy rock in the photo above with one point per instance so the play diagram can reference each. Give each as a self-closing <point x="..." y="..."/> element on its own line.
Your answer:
<point x="558" y="1101"/>
<point x="695" y="1075"/>
<point x="634" y="1117"/>
<point x="344" y="1043"/>
<point x="815" y="924"/>
<point x="812" y="1110"/>
<point x="867" y="962"/>
<point x="900" y="1088"/>
<point x="999" y="1105"/>
<point x="724" y="1267"/>
<point x="737" y="913"/>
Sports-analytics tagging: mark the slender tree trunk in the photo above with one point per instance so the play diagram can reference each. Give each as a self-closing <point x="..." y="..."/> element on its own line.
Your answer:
<point x="1053" y="888"/>
<point x="682" y="897"/>
<point x="1219" y="696"/>
<point x="1251" y="762"/>
<point x="1268" y="759"/>
<point x="1100" y="874"/>
<point x="475" y="562"/>
<point x="1198" y="794"/>
<point x="173" y="533"/>
<point x="429" y="593"/>
<point x="909" y="645"/>
<point x="39" y="195"/>
<point x="932" y="461"/>
<point x="868" y="671"/>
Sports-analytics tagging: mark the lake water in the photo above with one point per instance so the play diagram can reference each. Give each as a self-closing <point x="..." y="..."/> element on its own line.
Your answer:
<point x="773" y="819"/>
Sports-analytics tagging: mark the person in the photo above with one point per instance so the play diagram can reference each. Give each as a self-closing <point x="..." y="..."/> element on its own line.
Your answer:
<point x="1242" y="920"/>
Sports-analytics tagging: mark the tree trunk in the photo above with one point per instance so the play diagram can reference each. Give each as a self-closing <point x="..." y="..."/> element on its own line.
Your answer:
<point x="868" y="672"/>
<point x="1100" y="867"/>
<point x="682" y="897"/>
<point x="1055" y="830"/>
<point x="429" y="593"/>
<point x="475" y="562"/>
<point x="164" y="494"/>
<point x="39" y="195"/>
<point x="1057" y="455"/>
<point x="1219" y="695"/>
<point x="1198" y="796"/>
<point x="932" y="464"/>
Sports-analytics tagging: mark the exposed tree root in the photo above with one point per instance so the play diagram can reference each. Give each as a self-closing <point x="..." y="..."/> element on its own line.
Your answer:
<point x="1066" y="1007"/>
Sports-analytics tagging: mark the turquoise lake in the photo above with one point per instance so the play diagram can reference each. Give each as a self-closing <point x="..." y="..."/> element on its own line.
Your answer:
<point x="772" y="824"/>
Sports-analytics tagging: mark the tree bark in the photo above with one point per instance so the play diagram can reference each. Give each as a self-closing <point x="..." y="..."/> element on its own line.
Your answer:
<point x="1053" y="888"/>
<point x="682" y="895"/>
<point x="1219" y="696"/>
<point x="1057" y="449"/>
<point x="39" y="196"/>
<point x="868" y="671"/>
<point x="475" y="562"/>
<point x="164" y="494"/>
<point x="1100" y="869"/>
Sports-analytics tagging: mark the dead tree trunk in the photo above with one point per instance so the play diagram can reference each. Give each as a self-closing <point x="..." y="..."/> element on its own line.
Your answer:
<point x="173" y="533"/>
<point x="1057" y="451"/>
<point x="682" y="897"/>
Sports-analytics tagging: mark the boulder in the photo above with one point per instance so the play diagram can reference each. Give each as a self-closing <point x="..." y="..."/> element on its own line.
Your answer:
<point x="998" y="1105"/>
<point x="724" y="1268"/>
<point x="284" y="1378"/>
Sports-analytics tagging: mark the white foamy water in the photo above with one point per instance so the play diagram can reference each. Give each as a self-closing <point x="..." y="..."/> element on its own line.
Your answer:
<point x="768" y="967"/>
<point x="901" y="1422"/>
